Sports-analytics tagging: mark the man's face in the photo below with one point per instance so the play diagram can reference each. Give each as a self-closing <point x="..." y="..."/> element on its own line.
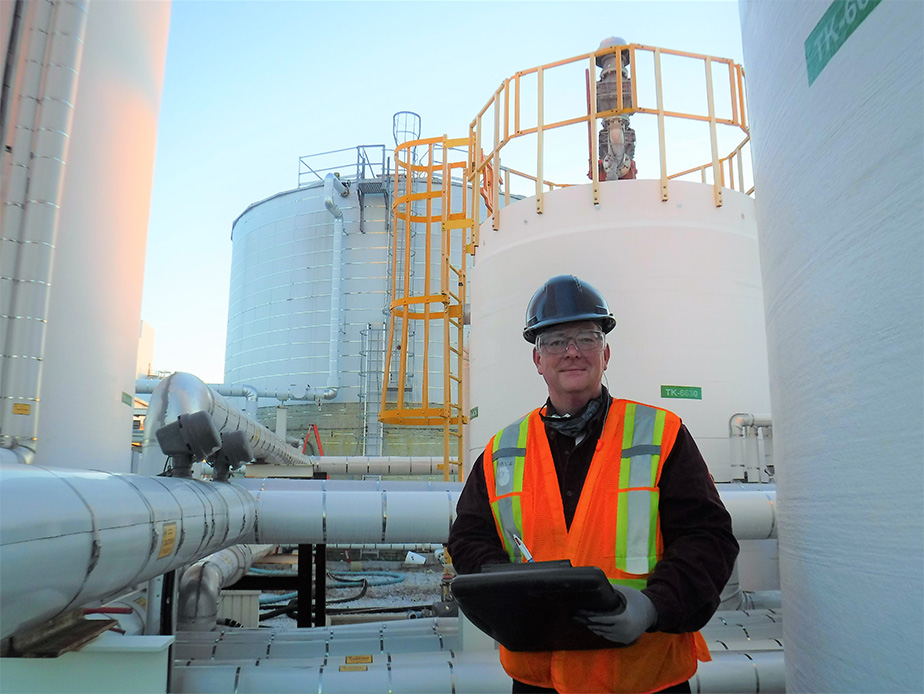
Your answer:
<point x="573" y="376"/>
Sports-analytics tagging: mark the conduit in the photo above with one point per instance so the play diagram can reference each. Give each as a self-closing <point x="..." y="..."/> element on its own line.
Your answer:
<point x="201" y="584"/>
<point x="31" y="209"/>
<point x="68" y="537"/>
<point x="182" y="393"/>
<point x="332" y="183"/>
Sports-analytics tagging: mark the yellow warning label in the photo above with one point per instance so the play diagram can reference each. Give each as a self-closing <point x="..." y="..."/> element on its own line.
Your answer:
<point x="353" y="668"/>
<point x="352" y="659"/>
<point x="21" y="408"/>
<point x="169" y="540"/>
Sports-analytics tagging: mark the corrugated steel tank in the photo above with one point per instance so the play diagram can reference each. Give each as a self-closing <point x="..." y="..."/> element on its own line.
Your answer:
<point x="682" y="278"/>
<point x="280" y="292"/>
<point x="835" y="95"/>
<point x="279" y="314"/>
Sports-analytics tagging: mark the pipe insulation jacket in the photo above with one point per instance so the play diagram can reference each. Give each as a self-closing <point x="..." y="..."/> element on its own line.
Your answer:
<point x="472" y="672"/>
<point x="201" y="584"/>
<point x="182" y="393"/>
<point x="68" y="537"/>
<point x="322" y="517"/>
<point x="285" y="484"/>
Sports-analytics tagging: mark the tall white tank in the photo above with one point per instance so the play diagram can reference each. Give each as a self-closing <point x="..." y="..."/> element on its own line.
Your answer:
<point x="94" y="314"/>
<point x="835" y="99"/>
<point x="682" y="278"/>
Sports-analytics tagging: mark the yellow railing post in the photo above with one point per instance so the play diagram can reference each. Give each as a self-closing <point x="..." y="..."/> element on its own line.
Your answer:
<point x="539" y="167"/>
<point x="592" y="127"/>
<point x="661" y="140"/>
<point x="717" y="172"/>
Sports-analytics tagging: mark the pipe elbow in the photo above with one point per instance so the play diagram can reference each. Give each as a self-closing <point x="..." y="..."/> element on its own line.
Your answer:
<point x="737" y="423"/>
<point x="331" y="184"/>
<point x="17" y="454"/>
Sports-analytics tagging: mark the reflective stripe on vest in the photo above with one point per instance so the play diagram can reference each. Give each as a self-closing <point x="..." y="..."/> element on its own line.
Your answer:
<point x="637" y="520"/>
<point x="508" y="457"/>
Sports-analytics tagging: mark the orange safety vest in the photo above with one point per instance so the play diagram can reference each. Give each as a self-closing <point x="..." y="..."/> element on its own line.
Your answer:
<point x="615" y="527"/>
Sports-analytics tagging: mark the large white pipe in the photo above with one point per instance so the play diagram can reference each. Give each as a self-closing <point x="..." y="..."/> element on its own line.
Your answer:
<point x="201" y="584"/>
<point x="182" y="393"/>
<point x="47" y="125"/>
<point x="300" y="513"/>
<point x="380" y="465"/>
<point x="471" y="672"/>
<point x="287" y="484"/>
<point x="322" y="517"/>
<point x="71" y="536"/>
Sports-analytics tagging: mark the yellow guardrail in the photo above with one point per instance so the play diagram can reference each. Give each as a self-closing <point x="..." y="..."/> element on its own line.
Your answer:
<point x="517" y="109"/>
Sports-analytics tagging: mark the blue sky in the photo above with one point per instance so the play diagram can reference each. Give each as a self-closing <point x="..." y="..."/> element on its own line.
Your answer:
<point x="251" y="86"/>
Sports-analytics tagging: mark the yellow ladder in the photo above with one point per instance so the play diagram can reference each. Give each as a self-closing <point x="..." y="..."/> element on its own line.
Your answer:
<point x="428" y="291"/>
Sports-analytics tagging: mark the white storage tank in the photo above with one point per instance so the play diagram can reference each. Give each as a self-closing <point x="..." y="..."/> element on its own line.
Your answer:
<point x="681" y="277"/>
<point x="835" y="95"/>
<point x="282" y="303"/>
<point x="90" y="346"/>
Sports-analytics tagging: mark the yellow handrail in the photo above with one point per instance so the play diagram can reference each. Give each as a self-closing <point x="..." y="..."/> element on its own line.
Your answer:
<point x="510" y="117"/>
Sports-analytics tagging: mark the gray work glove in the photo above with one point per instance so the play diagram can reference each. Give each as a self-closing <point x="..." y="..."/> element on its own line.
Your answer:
<point x="622" y="626"/>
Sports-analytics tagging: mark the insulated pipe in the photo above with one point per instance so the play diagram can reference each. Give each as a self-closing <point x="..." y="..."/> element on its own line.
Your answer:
<point x="133" y="622"/>
<point x="201" y="584"/>
<point x="69" y="536"/>
<point x="380" y="465"/>
<point x="472" y="672"/>
<point x="332" y="183"/>
<point x="182" y="393"/>
<point x="753" y="513"/>
<point x="284" y="484"/>
<point x="42" y="141"/>
<point x="322" y="517"/>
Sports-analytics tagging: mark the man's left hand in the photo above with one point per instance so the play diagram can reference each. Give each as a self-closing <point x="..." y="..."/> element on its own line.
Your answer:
<point x="621" y="626"/>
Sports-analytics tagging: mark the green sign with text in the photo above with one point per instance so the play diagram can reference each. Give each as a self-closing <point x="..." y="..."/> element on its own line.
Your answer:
<point x="683" y="392"/>
<point x="832" y="31"/>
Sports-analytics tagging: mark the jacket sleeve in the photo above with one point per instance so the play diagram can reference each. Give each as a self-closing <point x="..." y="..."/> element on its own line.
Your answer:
<point x="473" y="540"/>
<point x="699" y="547"/>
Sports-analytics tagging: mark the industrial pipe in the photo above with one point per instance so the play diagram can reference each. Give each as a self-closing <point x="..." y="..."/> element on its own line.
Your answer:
<point x="380" y="465"/>
<point x="332" y="183"/>
<point x="753" y="513"/>
<point x="182" y="393"/>
<point x="201" y="584"/>
<point x="472" y="672"/>
<point x="324" y="517"/>
<point x="287" y="484"/>
<point x="68" y="537"/>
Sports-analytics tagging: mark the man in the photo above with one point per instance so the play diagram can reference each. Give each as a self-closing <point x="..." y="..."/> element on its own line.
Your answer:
<point x="602" y="482"/>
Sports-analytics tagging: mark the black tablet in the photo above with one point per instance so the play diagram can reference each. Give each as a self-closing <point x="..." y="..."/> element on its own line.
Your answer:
<point x="530" y="607"/>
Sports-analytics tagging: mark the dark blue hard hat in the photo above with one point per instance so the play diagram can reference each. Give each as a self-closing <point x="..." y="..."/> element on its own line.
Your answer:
<point x="565" y="299"/>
